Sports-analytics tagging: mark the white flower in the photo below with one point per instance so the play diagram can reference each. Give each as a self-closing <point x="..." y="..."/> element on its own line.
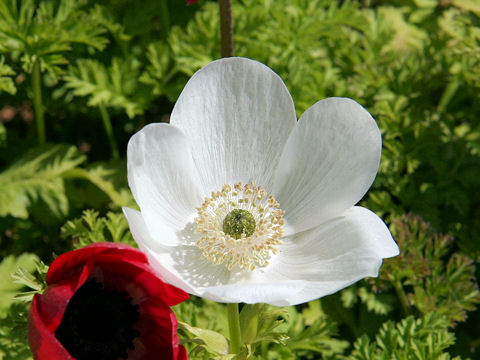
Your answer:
<point x="241" y="203"/>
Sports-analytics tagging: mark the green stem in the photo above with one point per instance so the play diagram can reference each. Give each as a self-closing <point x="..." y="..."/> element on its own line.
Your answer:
<point x="165" y="17"/>
<point x="226" y="27"/>
<point x="402" y="297"/>
<point x="107" y="124"/>
<point x="37" y="101"/>
<point x="234" y="327"/>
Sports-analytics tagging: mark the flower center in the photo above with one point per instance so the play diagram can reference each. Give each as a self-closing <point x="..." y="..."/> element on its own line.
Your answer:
<point x="239" y="222"/>
<point x="240" y="226"/>
<point x="98" y="323"/>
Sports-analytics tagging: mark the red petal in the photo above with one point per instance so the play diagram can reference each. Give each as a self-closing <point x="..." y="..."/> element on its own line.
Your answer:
<point x="115" y="256"/>
<point x="43" y="343"/>
<point x="53" y="302"/>
<point x="121" y="275"/>
<point x="158" y="332"/>
<point x="182" y="353"/>
<point x="69" y="261"/>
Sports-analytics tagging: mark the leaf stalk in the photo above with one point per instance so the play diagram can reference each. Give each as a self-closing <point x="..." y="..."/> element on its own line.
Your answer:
<point x="402" y="297"/>
<point x="37" y="101"/>
<point x="107" y="124"/>
<point x="165" y="17"/>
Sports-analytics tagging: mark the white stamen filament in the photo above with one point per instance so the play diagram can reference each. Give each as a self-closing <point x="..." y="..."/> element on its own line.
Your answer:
<point x="247" y="252"/>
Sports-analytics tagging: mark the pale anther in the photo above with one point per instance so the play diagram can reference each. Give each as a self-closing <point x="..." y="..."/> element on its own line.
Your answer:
<point x="240" y="226"/>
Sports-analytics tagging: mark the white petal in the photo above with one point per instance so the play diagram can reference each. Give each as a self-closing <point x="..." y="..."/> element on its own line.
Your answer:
<point x="145" y="243"/>
<point x="331" y="256"/>
<point x="183" y="267"/>
<point x="330" y="160"/>
<point x="163" y="179"/>
<point x="238" y="114"/>
<point x="271" y="292"/>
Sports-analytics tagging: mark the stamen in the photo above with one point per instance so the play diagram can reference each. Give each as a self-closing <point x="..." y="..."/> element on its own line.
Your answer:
<point x="241" y="226"/>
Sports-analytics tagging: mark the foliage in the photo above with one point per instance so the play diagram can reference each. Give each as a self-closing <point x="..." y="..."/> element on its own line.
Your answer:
<point x="38" y="176"/>
<point x="268" y="332"/>
<point x="433" y="279"/>
<point x="116" y="85"/>
<point x="90" y="229"/>
<point x="108" y="178"/>
<point x="422" y="338"/>
<point x="13" y="329"/>
<point x="27" y="273"/>
<point x="47" y="32"/>
<point x="6" y="82"/>
<point x="201" y="314"/>
<point x="311" y="332"/>
<point x="8" y="288"/>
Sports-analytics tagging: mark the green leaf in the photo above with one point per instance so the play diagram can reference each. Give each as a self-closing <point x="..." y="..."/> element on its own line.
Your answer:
<point x="37" y="176"/>
<point x="6" y="82"/>
<point x="36" y="281"/>
<point x="378" y="303"/>
<point x="108" y="178"/>
<point x="285" y="333"/>
<point x="269" y="328"/>
<point x="47" y="31"/>
<point x="113" y="86"/>
<point x="446" y="286"/>
<point x="470" y="5"/>
<point x="13" y="333"/>
<point x="249" y="317"/>
<point x="106" y="18"/>
<point x="8" y="267"/>
<point x="161" y="70"/>
<point x="313" y="331"/>
<point x="91" y="228"/>
<point x="423" y="338"/>
<point x="213" y="341"/>
<point x="204" y="314"/>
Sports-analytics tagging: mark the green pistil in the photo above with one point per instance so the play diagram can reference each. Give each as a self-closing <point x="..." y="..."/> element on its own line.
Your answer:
<point x="239" y="222"/>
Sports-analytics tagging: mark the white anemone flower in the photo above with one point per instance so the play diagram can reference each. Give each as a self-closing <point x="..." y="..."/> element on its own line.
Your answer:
<point x="240" y="202"/>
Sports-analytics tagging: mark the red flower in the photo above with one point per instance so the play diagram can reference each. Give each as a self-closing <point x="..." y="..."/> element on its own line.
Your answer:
<point x="105" y="302"/>
<point x="190" y="2"/>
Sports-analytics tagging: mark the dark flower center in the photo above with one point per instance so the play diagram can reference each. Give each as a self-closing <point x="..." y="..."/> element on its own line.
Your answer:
<point x="98" y="324"/>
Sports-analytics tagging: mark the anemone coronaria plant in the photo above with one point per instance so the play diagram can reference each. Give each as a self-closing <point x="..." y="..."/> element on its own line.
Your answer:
<point x="240" y="202"/>
<point x="104" y="302"/>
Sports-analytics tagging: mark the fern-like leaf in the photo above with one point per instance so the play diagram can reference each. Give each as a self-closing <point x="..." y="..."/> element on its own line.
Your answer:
<point x="91" y="228"/>
<point x="415" y="339"/>
<point x="48" y="31"/>
<point x="38" y="176"/>
<point x="446" y="286"/>
<point x="114" y="86"/>
<point x="8" y="267"/>
<point x="6" y="82"/>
